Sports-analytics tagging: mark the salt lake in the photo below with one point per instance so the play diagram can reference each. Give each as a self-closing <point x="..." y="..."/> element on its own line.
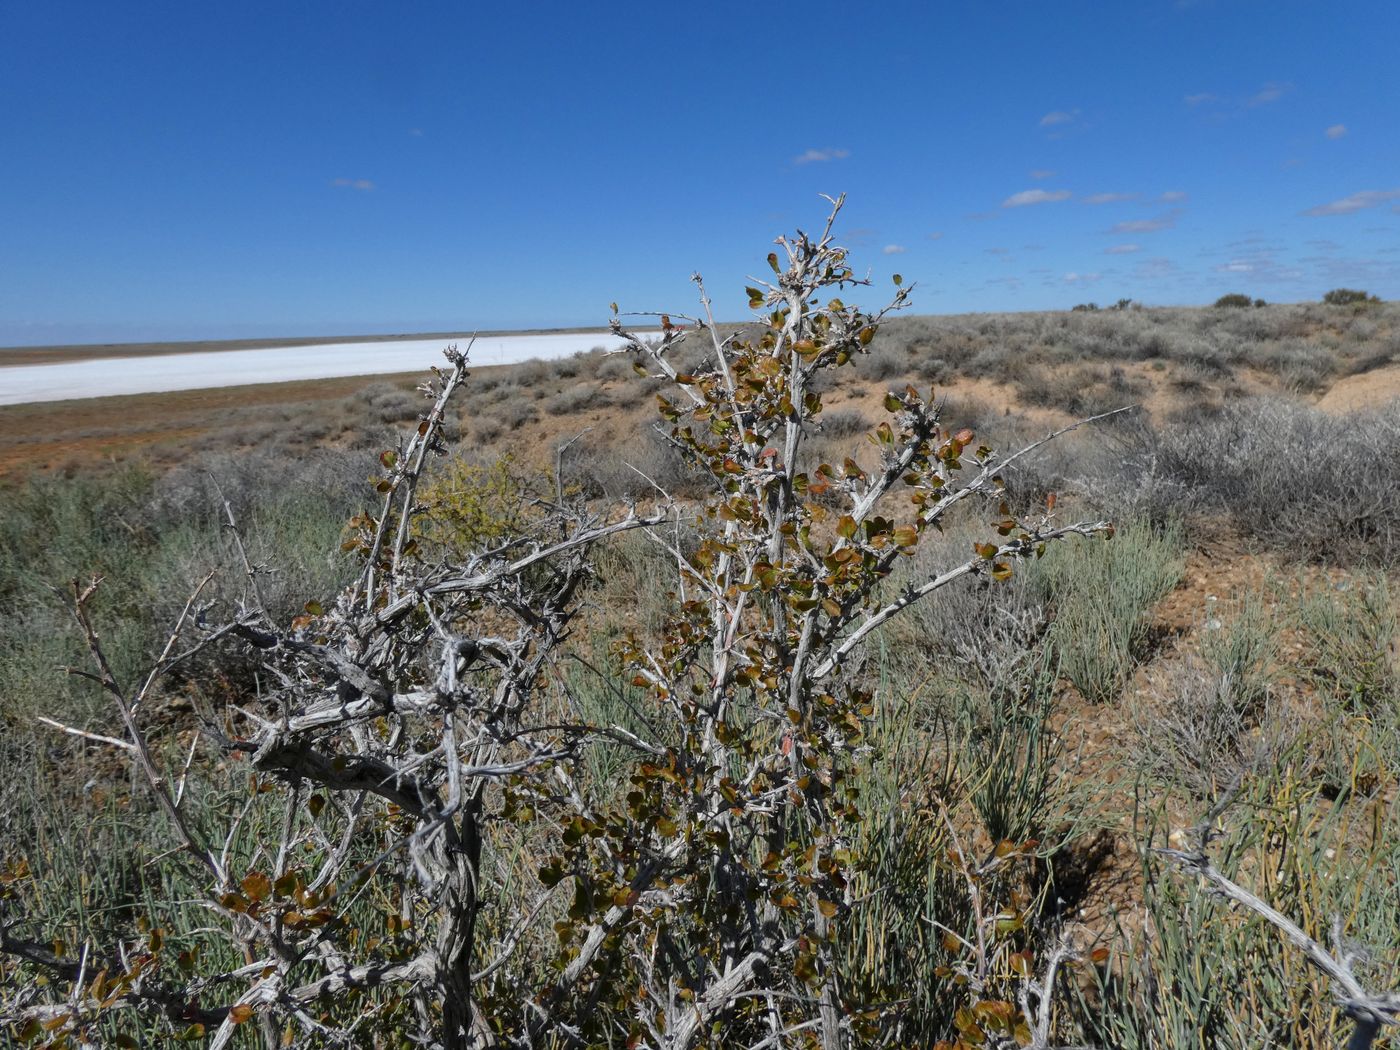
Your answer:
<point x="69" y="380"/>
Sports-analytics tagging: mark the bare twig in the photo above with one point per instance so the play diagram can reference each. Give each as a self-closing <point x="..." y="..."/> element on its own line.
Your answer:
<point x="125" y="745"/>
<point x="1369" y="1010"/>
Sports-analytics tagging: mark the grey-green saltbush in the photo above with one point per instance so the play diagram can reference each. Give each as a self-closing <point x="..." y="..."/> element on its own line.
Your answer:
<point x="1101" y="593"/>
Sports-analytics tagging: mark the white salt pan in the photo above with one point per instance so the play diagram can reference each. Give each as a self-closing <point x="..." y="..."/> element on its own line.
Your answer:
<point x="195" y="371"/>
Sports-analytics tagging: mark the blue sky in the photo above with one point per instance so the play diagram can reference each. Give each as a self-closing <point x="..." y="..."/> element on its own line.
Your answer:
<point x="179" y="170"/>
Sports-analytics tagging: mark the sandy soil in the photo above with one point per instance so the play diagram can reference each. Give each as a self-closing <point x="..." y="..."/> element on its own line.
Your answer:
<point x="1367" y="390"/>
<point x="105" y="428"/>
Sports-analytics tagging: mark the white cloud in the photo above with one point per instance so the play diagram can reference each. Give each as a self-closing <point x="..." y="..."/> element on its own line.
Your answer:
<point x="416" y="132"/>
<point x="894" y="249"/>
<point x="1156" y="269"/>
<point x="1109" y="198"/>
<point x="353" y="184"/>
<point x="1336" y="131"/>
<point x="1254" y="242"/>
<point x="1012" y="284"/>
<point x="1122" y="249"/>
<point x="1223" y="106"/>
<point x="1355" y="272"/>
<point x="1162" y="222"/>
<point x="1058" y="116"/>
<point x="1042" y="173"/>
<point x="1173" y="197"/>
<point x="997" y="251"/>
<point x="1081" y="278"/>
<point x="936" y="235"/>
<point x="1259" y="266"/>
<point x="1020" y="200"/>
<point x="820" y="155"/>
<point x="1356" y="202"/>
<point x="1270" y="92"/>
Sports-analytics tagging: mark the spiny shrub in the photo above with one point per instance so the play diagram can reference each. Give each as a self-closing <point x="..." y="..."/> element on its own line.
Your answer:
<point x="415" y="767"/>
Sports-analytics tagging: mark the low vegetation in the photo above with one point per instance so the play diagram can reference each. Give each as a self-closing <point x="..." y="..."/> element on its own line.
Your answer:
<point x="1049" y="367"/>
<point x="633" y="737"/>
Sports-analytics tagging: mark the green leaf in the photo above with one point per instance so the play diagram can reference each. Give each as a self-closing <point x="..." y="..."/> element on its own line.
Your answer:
<point x="846" y="527"/>
<point x="1009" y="924"/>
<point x="898" y="280"/>
<point x="773" y="262"/>
<point x="551" y="874"/>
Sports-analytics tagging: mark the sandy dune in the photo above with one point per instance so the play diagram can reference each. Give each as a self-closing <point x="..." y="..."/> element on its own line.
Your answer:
<point x="66" y="381"/>
<point x="1367" y="390"/>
